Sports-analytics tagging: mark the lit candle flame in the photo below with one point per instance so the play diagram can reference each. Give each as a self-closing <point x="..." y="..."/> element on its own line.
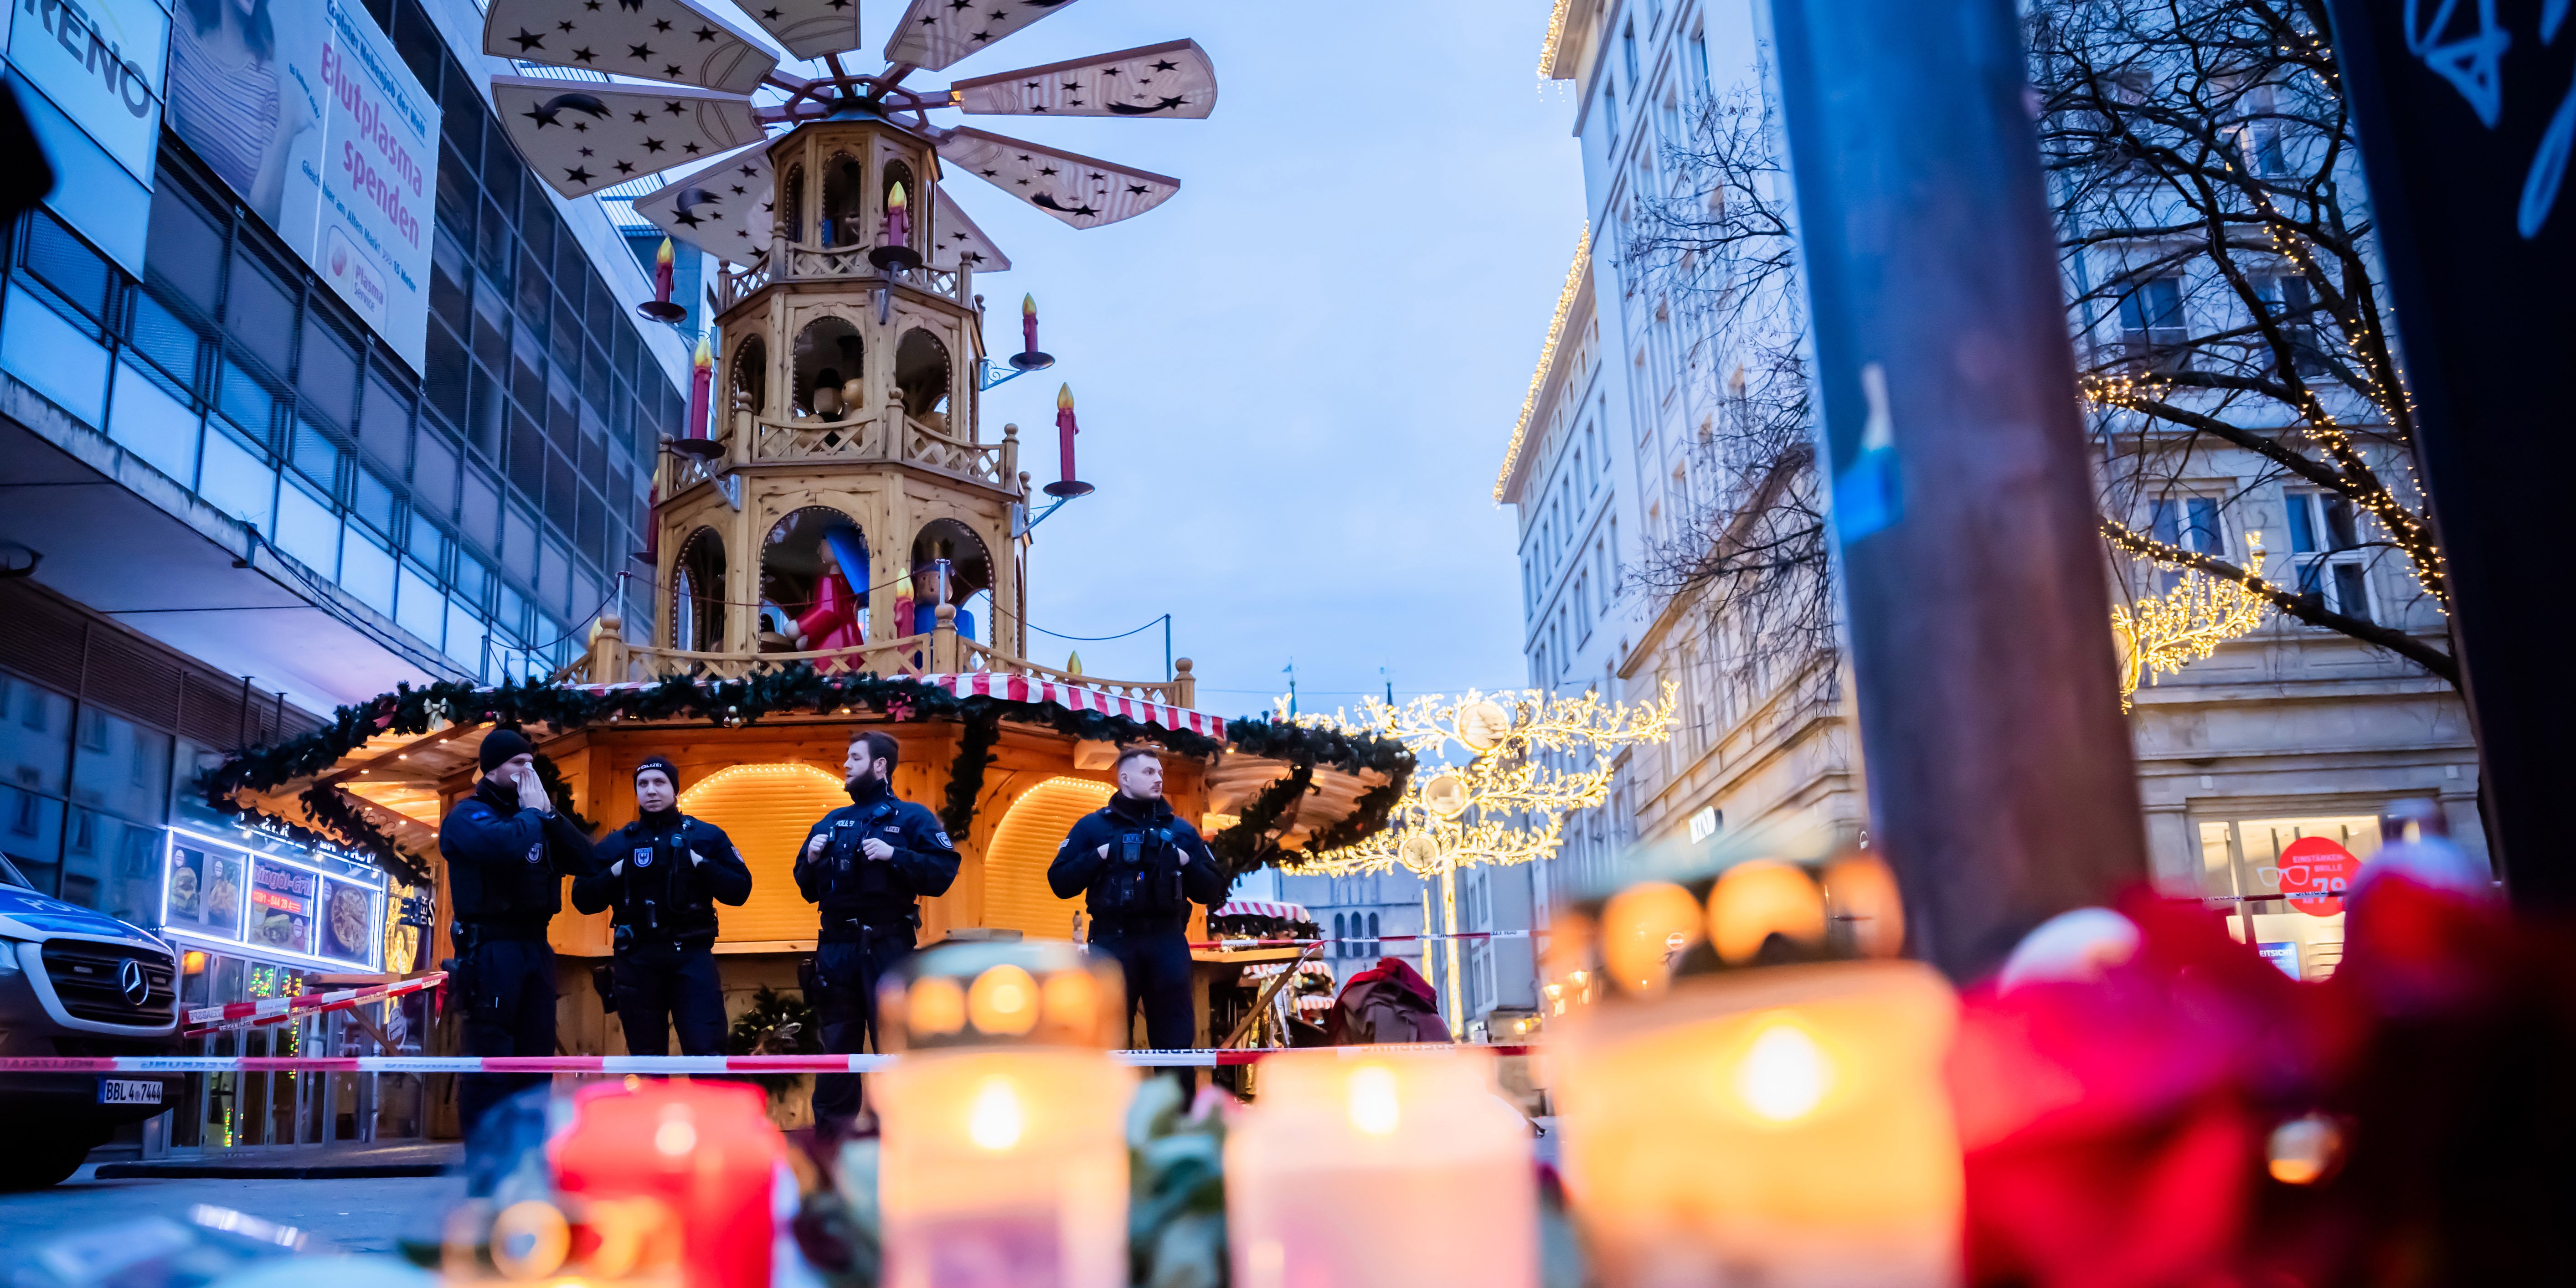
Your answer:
<point x="1784" y="1075"/>
<point x="996" y="1121"/>
<point x="1374" y="1108"/>
<point x="1028" y="304"/>
<point x="663" y="256"/>
<point x="1064" y="398"/>
<point x="706" y="355"/>
<point x="676" y="1136"/>
<point x="894" y="197"/>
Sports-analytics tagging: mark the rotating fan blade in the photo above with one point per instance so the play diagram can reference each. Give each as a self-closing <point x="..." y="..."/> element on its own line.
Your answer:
<point x="954" y="237"/>
<point x="1085" y="192"/>
<point x="1173" y="79"/>
<point x="936" y="33"/>
<point x="807" y="28"/>
<point x="723" y="209"/>
<point x="583" y="136"/>
<point x="679" y="41"/>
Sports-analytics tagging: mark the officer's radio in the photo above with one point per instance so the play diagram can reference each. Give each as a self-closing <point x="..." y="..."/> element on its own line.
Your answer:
<point x="1143" y="875"/>
<point x="851" y="872"/>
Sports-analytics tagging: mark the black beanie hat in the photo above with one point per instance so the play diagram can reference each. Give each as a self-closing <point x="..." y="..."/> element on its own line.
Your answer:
<point x="500" y="745"/>
<point x="663" y="763"/>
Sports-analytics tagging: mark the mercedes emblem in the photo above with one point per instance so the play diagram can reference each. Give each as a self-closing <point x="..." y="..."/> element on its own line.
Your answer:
<point x="130" y="981"/>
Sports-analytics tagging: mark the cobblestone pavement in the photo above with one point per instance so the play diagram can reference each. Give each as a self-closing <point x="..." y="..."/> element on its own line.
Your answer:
<point x="337" y="1215"/>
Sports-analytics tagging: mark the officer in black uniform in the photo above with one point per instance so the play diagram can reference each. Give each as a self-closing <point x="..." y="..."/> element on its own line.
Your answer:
<point x="507" y="853"/>
<point x="1143" y="866"/>
<point x="664" y="873"/>
<point x="868" y="864"/>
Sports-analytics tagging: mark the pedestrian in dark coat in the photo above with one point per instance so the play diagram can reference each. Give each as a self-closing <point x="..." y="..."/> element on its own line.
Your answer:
<point x="663" y="874"/>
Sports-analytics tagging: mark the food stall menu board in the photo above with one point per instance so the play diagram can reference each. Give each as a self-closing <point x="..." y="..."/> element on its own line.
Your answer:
<point x="282" y="900"/>
<point x="205" y="891"/>
<point x="349" y="914"/>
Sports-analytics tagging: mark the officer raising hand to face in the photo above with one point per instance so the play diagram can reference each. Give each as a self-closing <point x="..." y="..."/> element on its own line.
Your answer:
<point x="868" y="864"/>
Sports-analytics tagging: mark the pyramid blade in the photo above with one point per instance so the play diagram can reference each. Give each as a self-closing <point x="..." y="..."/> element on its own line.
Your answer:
<point x="727" y="206"/>
<point x="808" y="28"/>
<point x="1173" y="79"/>
<point x="955" y="237"/>
<point x="678" y="41"/>
<point x="1085" y="192"/>
<point x="936" y="33"/>
<point x="583" y="136"/>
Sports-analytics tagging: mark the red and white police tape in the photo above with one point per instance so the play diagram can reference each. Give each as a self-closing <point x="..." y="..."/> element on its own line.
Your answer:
<point x="621" y="1064"/>
<point x="275" y="1010"/>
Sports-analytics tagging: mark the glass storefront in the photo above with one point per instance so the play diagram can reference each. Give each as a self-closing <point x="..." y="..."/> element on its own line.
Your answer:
<point x="2282" y="878"/>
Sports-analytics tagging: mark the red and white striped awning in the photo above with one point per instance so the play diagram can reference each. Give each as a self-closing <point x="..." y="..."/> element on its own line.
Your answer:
<point x="1074" y="697"/>
<point x="1030" y="689"/>
<point x="1260" y="908"/>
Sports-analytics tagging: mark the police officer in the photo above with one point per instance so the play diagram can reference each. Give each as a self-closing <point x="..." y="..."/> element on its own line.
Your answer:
<point x="1143" y="866"/>
<point x="664" y="873"/>
<point x="867" y="864"/>
<point x="507" y="852"/>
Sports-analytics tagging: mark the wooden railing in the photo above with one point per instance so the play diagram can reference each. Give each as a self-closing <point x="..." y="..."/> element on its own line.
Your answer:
<point x="814" y="439"/>
<point x="610" y="660"/>
<point x="809" y="263"/>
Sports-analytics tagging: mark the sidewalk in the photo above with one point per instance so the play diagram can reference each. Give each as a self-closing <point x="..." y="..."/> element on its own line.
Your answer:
<point x="342" y="1161"/>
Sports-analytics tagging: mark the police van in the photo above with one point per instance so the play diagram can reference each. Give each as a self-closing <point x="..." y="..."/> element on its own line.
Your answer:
<point x="76" y="982"/>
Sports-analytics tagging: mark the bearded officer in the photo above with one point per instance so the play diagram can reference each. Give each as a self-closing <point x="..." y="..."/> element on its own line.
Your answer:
<point x="1141" y="867"/>
<point x="663" y="874"/>
<point x="507" y="853"/>
<point x="868" y="864"/>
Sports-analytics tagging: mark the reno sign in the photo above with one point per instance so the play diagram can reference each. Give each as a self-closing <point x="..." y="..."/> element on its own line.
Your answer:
<point x="304" y="109"/>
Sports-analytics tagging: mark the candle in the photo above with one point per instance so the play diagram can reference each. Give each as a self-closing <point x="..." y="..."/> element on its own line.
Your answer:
<point x="702" y="373"/>
<point x="898" y="219"/>
<point x="1332" y="1134"/>
<point x="705" y="1149"/>
<point x="1065" y="429"/>
<point x="660" y="308"/>
<point x="1785" y="1124"/>
<point x="1004" y="1159"/>
<point x="1028" y="324"/>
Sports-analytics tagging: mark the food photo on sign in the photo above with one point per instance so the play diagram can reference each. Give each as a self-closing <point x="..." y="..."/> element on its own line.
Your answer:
<point x="282" y="906"/>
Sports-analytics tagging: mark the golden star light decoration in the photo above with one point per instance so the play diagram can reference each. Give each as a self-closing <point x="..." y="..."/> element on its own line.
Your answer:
<point x="1529" y="759"/>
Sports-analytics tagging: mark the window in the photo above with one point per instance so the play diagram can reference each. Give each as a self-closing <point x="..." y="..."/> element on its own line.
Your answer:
<point x="1699" y="59"/>
<point x="1610" y="110"/>
<point x="2260" y="136"/>
<point x="1628" y="51"/>
<point x="2292" y="301"/>
<point x="1341" y="942"/>
<point x="2325" y="547"/>
<point x="2151" y="324"/>
<point x="2190" y="522"/>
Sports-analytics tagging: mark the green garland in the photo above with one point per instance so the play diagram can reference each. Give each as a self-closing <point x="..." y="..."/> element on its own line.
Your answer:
<point x="796" y="689"/>
<point x="966" y="773"/>
<point x="1248" y="844"/>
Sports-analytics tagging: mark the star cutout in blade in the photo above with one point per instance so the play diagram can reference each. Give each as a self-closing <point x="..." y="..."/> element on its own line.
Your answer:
<point x="1138" y="189"/>
<point x="584" y="56"/>
<point x="691" y="149"/>
<point x="652" y="145"/>
<point x="1167" y="67"/>
<point x="687" y="218"/>
<point x="639" y="52"/>
<point x="563" y="26"/>
<point x="704" y="34"/>
<point x="642" y="119"/>
<point x="670" y="107"/>
<point x="661" y="24"/>
<point x="578" y="175"/>
<point x="626" y="167"/>
<point x="670" y="69"/>
<point x="529" y="40"/>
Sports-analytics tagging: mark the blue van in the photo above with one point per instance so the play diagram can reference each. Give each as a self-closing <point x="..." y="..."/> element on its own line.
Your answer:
<point x="77" y="982"/>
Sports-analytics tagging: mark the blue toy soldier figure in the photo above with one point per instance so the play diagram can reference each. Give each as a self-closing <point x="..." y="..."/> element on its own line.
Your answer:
<point x="868" y="864"/>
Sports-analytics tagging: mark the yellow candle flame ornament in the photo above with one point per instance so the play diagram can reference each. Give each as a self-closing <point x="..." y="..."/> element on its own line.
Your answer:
<point x="996" y="1121"/>
<point x="1374" y="1107"/>
<point x="706" y="356"/>
<point x="663" y="256"/>
<point x="1064" y="398"/>
<point x="1028" y="304"/>
<point x="1783" y="1075"/>
<point x="894" y="196"/>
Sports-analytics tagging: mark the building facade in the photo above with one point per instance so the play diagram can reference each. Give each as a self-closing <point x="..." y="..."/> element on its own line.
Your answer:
<point x="2287" y="733"/>
<point x="266" y="448"/>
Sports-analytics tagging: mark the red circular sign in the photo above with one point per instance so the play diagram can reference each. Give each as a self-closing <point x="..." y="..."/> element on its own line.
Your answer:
<point x="2315" y="873"/>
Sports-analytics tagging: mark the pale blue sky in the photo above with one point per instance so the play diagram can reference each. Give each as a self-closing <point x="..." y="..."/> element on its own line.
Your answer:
<point x="1296" y="378"/>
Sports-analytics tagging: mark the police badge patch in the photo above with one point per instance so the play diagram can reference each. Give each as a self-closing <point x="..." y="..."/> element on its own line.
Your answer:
<point x="537" y="853"/>
<point x="643" y="856"/>
<point x="942" y="838"/>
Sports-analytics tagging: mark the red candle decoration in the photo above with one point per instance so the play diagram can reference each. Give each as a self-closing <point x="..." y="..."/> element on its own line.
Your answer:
<point x="1028" y="324"/>
<point x="660" y="308"/>
<point x="702" y="374"/>
<point x="898" y="219"/>
<point x="707" y="1149"/>
<point x="1065" y="429"/>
